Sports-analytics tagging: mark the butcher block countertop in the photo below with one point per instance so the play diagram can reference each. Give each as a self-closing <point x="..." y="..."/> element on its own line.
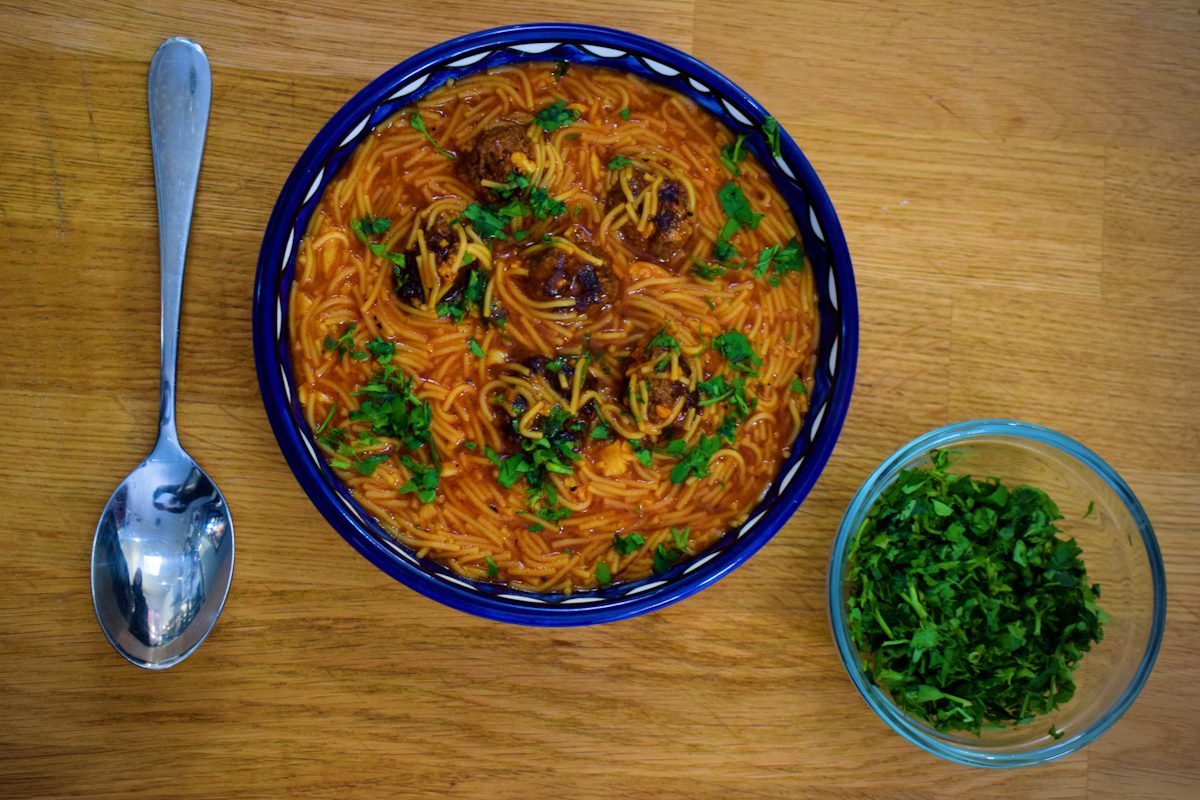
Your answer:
<point x="1019" y="187"/>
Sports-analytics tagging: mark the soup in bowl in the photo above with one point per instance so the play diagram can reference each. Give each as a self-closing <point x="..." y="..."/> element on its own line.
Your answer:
<point x="555" y="324"/>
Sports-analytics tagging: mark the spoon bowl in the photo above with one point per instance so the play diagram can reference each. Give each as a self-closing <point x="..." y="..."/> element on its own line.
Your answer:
<point x="162" y="558"/>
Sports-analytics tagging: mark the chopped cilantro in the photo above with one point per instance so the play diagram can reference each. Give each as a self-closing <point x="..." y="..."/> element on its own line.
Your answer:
<point x="560" y="68"/>
<point x="476" y="350"/>
<point x="625" y="113"/>
<point x="664" y="339"/>
<point x="705" y="271"/>
<point x="487" y="223"/>
<point x="680" y="537"/>
<point x="737" y="207"/>
<point x="424" y="480"/>
<point x="771" y="131"/>
<point x="416" y="123"/>
<point x="1091" y="503"/>
<point x="393" y="410"/>
<point x="382" y="349"/>
<point x="967" y="606"/>
<point x="664" y="558"/>
<point x="733" y="153"/>
<point x="695" y="461"/>
<point x="600" y="432"/>
<point x="603" y="574"/>
<point x="640" y="450"/>
<point x="543" y="205"/>
<point x="516" y="183"/>
<point x="555" y="116"/>
<point x="344" y="344"/>
<point x="627" y="544"/>
<point x="367" y="465"/>
<point x="492" y="569"/>
<point x="735" y="347"/>
<point x="333" y="408"/>
<point x="619" y="162"/>
<point x="368" y="226"/>
<point x="798" y="386"/>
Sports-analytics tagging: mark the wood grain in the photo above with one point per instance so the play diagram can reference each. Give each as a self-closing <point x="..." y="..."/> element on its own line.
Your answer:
<point x="1019" y="188"/>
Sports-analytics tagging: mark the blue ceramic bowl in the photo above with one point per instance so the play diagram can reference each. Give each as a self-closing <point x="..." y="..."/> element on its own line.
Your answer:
<point x="582" y="44"/>
<point x="1119" y="552"/>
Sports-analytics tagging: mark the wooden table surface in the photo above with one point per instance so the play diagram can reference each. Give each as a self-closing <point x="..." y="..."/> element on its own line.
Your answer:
<point x="1020" y="191"/>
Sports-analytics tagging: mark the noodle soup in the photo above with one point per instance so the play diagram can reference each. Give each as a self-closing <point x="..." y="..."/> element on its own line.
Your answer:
<point x="554" y="327"/>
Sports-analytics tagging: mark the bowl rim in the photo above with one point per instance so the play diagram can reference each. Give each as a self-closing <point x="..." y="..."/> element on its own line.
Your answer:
<point x="865" y="497"/>
<point x="277" y="241"/>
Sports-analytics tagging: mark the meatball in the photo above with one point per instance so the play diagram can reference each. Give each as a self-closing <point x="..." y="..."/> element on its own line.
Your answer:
<point x="671" y="226"/>
<point x="646" y="375"/>
<point x="556" y="274"/>
<point x="440" y="241"/>
<point x="498" y="152"/>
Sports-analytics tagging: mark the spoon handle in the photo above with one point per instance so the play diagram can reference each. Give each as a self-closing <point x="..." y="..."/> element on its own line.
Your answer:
<point x="180" y="90"/>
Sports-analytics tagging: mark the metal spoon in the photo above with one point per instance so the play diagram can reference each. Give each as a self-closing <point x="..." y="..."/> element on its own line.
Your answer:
<point x="162" y="558"/>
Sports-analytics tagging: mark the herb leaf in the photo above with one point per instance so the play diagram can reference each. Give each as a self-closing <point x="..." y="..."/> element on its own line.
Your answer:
<point x="627" y="544"/>
<point x="966" y="605"/>
<point x="771" y="131"/>
<point x="418" y="124"/>
<point x="555" y="116"/>
<point x="619" y="162"/>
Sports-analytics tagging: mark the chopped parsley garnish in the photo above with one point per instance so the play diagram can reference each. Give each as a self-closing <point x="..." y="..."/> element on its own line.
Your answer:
<point x="625" y="113"/>
<point x="642" y="453"/>
<point x="705" y="271"/>
<point x="680" y="537"/>
<point x="543" y="205"/>
<point x="471" y="297"/>
<point x="1091" y="503"/>
<point x="393" y="410"/>
<point x="332" y="437"/>
<point x="664" y="558"/>
<point x="798" y="386"/>
<point x="416" y="123"/>
<point x="603" y="574"/>
<point x="560" y="68"/>
<point x="487" y="223"/>
<point x="554" y="513"/>
<point x="627" y="544"/>
<point x="784" y="258"/>
<point x="728" y="429"/>
<point x="344" y="344"/>
<point x="516" y="183"/>
<point x="382" y="349"/>
<point x="735" y="347"/>
<point x="737" y="207"/>
<point x="966" y="605"/>
<point x="476" y="350"/>
<point x="536" y="459"/>
<point x="366" y="227"/>
<point x="492" y="569"/>
<point x="695" y="461"/>
<point x="367" y="465"/>
<point x="771" y="131"/>
<point x="619" y="162"/>
<point x="424" y="480"/>
<point x="555" y="116"/>
<point x="733" y="153"/>
<point x="664" y="339"/>
<point x="333" y="409"/>
<point x="601" y="431"/>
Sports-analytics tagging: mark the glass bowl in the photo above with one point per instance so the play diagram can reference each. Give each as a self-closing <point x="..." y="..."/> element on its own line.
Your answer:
<point x="1119" y="552"/>
<point x="811" y="208"/>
